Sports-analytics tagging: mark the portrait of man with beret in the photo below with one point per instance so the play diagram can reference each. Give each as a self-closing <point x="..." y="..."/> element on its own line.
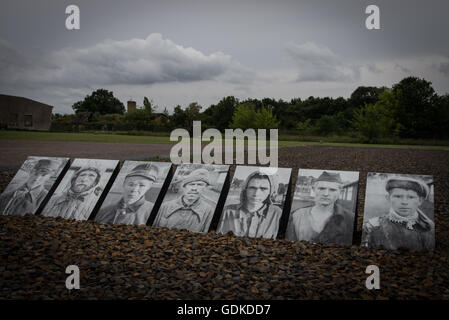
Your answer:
<point x="403" y="222"/>
<point x="132" y="207"/>
<point x="29" y="195"/>
<point x="325" y="218"/>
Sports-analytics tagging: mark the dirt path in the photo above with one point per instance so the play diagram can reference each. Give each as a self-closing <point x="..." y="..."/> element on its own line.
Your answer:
<point x="14" y="152"/>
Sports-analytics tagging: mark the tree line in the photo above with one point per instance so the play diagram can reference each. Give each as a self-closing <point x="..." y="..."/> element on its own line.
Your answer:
<point x="409" y="109"/>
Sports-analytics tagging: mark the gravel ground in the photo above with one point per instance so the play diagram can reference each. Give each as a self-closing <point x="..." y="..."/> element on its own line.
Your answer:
<point x="130" y="262"/>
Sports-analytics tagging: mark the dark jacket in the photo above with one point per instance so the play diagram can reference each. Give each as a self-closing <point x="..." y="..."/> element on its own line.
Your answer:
<point x="338" y="228"/>
<point x="117" y="213"/>
<point x="393" y="235"/>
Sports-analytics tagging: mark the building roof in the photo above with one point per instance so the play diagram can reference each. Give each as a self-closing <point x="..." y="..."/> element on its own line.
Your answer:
<point x="7" y="99"/>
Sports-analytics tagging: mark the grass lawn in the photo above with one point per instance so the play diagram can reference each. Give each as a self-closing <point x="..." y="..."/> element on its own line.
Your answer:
<point x="110" y="137"/>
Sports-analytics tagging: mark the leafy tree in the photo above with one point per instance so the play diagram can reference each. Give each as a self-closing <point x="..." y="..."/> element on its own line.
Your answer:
<point x="101" y="101"/>
<point x="416" y="110"/>
<point x="137" y="120"/>
<point x="328" y="124"/>
<point x="375" y="121"/>
<point x="148" y="106"/>
<point x="179" y="117"/>
<point x="366" y="95"/>
<point x="219" y="115"/>
<point x="265" y="119"/>
<point x="246" y="116"/>
<point x="192" y="112"/>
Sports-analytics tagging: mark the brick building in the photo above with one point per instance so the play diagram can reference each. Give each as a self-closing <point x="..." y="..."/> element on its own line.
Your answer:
<point x="23" y="113"/>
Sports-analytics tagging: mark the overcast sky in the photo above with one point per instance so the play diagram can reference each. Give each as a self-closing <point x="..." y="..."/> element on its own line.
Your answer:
<point x="180" y="51"/>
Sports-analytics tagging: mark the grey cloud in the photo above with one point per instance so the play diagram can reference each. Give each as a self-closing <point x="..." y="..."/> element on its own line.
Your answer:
<point x="136" y="61"/>
<point x="444" y="68"/>
<point x="319" y="63"/>
<point x="402" y="68"/>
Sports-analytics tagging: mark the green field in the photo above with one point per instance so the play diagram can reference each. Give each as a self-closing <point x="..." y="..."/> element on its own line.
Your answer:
<point x="111" y="137"/>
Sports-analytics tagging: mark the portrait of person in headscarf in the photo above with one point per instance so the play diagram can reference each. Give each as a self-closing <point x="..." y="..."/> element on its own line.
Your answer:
<point x="255" y="215"/>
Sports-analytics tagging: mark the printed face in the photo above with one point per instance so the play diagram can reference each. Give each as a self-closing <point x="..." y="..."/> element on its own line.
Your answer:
<point x="192" y="190"/>
<point x="134" y="188"/>
<point x="404" y="202"/>
<point x="326" y="193"/>
<point x="38" y="177"/>
<point x="84" y="181"/>
<point x="257" y="191"/>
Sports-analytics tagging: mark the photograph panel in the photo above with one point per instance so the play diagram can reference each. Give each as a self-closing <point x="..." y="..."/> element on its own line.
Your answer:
<point x="399" y="211"/>
<point x="192" y="197"/>
<point x="324" y="206"/>
<point x="132" y="197"/>
<point x="255" y="202"/>
<point x="80" y="189"/>
<point x="31" y="185"/>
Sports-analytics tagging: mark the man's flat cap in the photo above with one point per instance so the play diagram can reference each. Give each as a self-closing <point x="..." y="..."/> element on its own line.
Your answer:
<point x="47" y="164"/>
<point x="145" y="170"/>
<point x="409" y="184"/>
<point x="197" y="175"/>
<point x="329" y="177"/>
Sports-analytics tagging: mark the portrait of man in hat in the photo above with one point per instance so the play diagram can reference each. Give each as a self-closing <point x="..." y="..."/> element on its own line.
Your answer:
<point x="255" y="215"/>
<point x="404" y="224"/>
<point x="190" y="210"/>
<point x="133" y="207"/>
<point x="30" y="194"/>
<point x="325" y="220"/>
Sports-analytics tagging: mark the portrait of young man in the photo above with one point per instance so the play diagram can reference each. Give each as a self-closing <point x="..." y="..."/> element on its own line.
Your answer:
<point x="193" y="198"/>
<point x="325" y="207"/>
<point x="259" y="208"/>
<point x="31" y="185"/>
<point x="134" y="192"/>
<point x="405" y="216"/>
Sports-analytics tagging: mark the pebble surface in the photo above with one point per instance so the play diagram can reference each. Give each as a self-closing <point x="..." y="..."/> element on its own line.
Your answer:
<point x="143" y="262"/>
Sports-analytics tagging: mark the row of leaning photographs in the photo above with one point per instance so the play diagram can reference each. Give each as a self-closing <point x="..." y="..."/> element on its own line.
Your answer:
<point x="398" y="212"/>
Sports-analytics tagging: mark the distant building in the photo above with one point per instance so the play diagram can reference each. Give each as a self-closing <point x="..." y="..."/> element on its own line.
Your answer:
<point x="23" y="113"/>
<point x="131" y="106"/>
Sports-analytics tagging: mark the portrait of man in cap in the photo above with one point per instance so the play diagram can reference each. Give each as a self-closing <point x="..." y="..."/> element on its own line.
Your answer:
<point x="30" y="194"/>
<point x="255" y="215"/>
<point x="190" y="210"/>
<point x="133" y="207"/>
<point x="77" y="194"/>
<point x="404" y="223"/>
<point x="325" y="219"/>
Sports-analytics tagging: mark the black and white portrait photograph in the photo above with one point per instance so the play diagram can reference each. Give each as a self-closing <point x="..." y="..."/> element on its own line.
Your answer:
<point x="80" y="189"/>
<point x="31" y="184"/>
<point x="135" y="190"/>
<point x="399" y="211"/>
<point x="192" y="197"/>
<point x="324" y="206"/>
<point x="255" y="202"/>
